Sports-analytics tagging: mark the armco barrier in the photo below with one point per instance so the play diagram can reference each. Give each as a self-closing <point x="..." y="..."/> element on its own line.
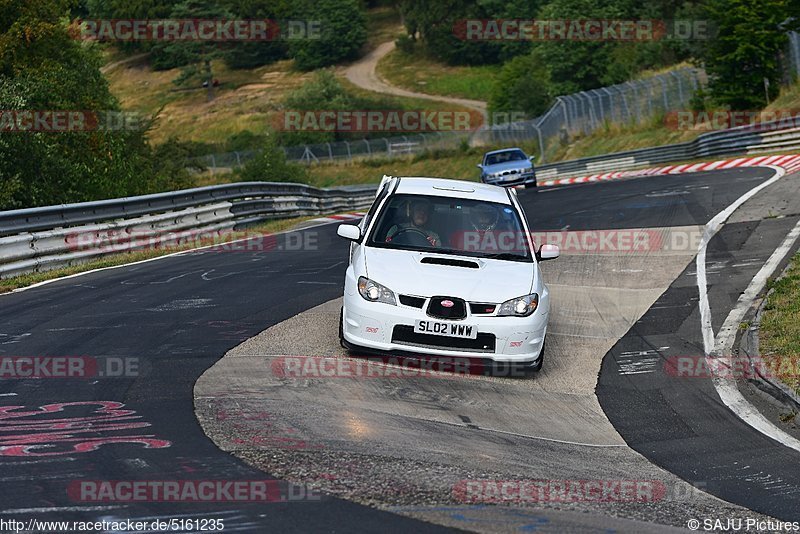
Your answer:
<point x="790" y="163"/>
<point x="39" y="239"/>
<point x="735" y="141"/>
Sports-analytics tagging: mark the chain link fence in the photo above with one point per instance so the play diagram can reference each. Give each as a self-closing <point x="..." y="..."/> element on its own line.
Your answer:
<point x="578" y="114"/>
<point x="582" y="113"/>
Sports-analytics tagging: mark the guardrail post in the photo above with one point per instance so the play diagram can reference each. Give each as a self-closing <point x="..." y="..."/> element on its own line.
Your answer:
<point x="349" y="155"/>
<point x="330" y="152"/>
<point x="369" y="150"/>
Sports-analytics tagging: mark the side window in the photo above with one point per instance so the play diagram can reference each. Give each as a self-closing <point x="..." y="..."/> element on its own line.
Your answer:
<point x="365" y="222"/>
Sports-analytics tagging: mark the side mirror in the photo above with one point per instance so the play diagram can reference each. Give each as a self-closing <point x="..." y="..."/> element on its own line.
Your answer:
<point x="532" y="158"/>
<point x="548" y="252"/>
<point x="349" y="231"/>
<point x="479" y="166"/>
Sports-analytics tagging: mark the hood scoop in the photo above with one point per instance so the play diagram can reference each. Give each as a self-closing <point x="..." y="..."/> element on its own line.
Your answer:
<point x="450" y="262"/>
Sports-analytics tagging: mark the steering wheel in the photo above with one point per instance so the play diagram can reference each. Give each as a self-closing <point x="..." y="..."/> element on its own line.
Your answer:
<point x="415" y="237"/>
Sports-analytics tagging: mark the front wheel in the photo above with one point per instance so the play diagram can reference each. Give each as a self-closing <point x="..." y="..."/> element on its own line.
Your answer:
<point x="341" y="328"/>
<point x="538" y="367"/>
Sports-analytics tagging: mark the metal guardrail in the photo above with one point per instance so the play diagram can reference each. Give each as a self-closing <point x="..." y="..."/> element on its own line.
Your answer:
<point x="735" y="141"/>
<point x="45" y="238"/>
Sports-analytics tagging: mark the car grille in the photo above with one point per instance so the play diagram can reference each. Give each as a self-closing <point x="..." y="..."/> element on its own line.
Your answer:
<point x="414" y="302"/>
<point x="405" y="335"/>
<point x="457" y="311"/>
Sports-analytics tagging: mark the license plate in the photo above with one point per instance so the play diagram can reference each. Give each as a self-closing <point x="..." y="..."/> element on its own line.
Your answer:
<point x="439" y="328"/>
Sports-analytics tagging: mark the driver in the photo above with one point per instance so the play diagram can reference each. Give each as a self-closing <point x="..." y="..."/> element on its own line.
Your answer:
<point x="419" y="213"/>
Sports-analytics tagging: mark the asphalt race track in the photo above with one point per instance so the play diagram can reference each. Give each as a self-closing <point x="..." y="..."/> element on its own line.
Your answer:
<point x="177" y="316"/>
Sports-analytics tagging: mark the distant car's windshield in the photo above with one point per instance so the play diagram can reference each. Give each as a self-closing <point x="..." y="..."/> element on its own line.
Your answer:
<point x="451" y="226"/>
<point x="503" y="157"/>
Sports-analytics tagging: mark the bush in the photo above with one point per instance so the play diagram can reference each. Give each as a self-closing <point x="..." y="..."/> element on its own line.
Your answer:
<point x="405" y="44"/>
<point x="244" y="140"/>
<point x="270" y="165"/>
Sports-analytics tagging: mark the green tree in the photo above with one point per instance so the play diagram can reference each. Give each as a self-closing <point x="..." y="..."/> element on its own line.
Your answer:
<point x="750" y="37"/>
<point x="343" y="33"/>
<point x="43" y="68"/>
<point x="194" y="56"/>
<point x="522" y="85"/>
<point x="248" y="55"/>
<point x="439" y="25"/>
<point x="577" y="65"/>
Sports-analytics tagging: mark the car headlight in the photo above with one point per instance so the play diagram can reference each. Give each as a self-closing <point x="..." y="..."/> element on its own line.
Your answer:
<point x="519" y="307"/>
<point x="375" y="292"/>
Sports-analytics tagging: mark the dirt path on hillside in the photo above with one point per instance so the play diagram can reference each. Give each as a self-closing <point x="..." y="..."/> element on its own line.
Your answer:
<point x="363" y="74"/>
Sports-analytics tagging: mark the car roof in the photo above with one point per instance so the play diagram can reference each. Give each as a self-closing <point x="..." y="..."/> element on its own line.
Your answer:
<point x="504" y="150"/>
<point x="446" y="187"/>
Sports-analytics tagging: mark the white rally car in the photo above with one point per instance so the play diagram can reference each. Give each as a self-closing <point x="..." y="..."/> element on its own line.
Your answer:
<point x="446" y="268"/>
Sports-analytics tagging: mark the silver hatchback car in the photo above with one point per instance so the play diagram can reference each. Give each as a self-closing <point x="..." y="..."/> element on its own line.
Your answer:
<point x="508" y="167"/>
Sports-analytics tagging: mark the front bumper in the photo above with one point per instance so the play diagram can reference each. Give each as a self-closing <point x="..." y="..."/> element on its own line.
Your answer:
<point x="511" y="180"/>
<point x="389" y="329"/>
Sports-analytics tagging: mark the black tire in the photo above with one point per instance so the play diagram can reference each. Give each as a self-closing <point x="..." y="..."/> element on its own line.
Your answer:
<point x="532" y="186"/>
<point x="341" y="328"/>
<point x="538" y="367"/>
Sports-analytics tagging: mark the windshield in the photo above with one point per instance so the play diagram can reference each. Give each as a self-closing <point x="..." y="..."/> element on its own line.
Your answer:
<point x="506" y="156"/>
<point x="445" y="225"/>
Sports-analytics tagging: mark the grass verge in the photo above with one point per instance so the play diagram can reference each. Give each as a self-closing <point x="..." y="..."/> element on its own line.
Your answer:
<point x="25" y="280"/>
<point x="779" y="333"/>
<point x="423" y="75"/>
